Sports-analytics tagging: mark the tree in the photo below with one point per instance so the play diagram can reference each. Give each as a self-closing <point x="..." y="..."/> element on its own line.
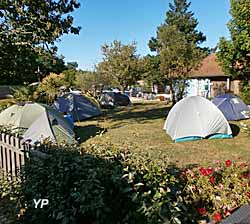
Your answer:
<point x="47" y="63"/>
<point x="27" y="29"/>
<point x="70" y="73"/>
<point x="177" y="44"/>
<point x="72" y="65"/>
<point x="120" y="64"/>
<point x="86" y="80"/>
<point x="150" y="67"/>
<point x="70" y="76"/>
<point x="234" y="54"/>
<point x="27" y="66"/>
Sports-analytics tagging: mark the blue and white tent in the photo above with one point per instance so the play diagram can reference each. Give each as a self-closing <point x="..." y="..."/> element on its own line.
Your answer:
<point x="232" y="107"/>
<point x="78" y="106"/>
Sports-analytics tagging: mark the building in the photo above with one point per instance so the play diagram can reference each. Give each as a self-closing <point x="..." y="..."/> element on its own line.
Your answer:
<point x="209" y="80"/>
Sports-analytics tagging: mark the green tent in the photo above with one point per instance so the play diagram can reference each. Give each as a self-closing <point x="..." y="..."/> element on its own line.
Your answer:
<point x="36" y="122"/>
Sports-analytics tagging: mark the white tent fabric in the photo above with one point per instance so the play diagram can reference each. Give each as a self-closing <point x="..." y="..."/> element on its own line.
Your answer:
<point x="195" y="116"/>
<point x="39" y="130"/>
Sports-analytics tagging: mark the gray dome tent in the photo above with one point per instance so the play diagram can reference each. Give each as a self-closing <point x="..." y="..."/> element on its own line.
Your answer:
<point x="36" y="122"/>
<point x="78" y="106"/>
<point x="196" y="118"/>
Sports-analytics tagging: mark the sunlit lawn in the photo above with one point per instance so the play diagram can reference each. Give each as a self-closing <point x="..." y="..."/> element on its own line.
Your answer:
<point x="141" y="125"/>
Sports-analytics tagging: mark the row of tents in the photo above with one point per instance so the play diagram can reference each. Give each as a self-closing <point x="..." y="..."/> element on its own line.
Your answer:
<point x="195" y="117"/>
<point x="191" y="118"/>
<point x="36" y="122"/>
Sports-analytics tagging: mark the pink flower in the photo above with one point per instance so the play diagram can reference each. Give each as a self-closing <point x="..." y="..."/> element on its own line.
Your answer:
<point x="209" y="170"/>
<point x="217" y="217"/>
<point x="216" y="161"/>
<point x="211" y="179"/>
<point x="202" y="211"/>
<point x="228" y="162"/>
<point x="220" y="186"/>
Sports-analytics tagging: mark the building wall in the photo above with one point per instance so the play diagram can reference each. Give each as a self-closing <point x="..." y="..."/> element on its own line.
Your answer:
<point x="198" y="87"/>
<point x="235" y="87"/>
<point x="218" y="87"/>
<point x="212" y="87"/>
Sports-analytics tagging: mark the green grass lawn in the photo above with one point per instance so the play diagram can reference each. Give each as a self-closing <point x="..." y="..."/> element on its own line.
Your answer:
<point x="142" y="126"/>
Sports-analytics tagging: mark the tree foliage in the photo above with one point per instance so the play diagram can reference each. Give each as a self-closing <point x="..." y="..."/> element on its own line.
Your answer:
<point x="50" y="86"/>
<point x="29" y="23"/>
<point x="177" y="44"/>
<point x="150" y="67"/>
<point x="234" y="54"/>
<point x="26" y="65"/>
<point x="73" y="65"/>
<point x="86" y="80"/>
<point x="28" y="32"/>
<point x="120" y="64"/>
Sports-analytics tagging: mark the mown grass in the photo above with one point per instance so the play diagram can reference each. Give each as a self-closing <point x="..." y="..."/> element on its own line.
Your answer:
<point x="142" y="127"/>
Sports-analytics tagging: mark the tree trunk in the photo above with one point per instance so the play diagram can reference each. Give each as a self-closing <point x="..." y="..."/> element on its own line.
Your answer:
<point x="124" y="87"/>
<point x="172" y="92"/>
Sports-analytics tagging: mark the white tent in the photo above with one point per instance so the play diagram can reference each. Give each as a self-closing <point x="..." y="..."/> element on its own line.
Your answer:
<point x="196" y="118"/>
<point x="36" y="122"/>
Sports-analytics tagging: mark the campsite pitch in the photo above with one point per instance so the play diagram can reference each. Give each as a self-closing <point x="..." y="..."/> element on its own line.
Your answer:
<point x="141" y="126"/>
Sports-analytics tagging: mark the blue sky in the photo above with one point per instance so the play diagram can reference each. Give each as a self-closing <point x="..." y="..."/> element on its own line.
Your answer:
<point x="133" y="20"/>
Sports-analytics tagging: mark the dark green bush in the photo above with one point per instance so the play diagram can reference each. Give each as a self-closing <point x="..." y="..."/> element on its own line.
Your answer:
<point x="103" y="185"/>
<point x="9" y="198"/>
<point x="80" y="189"/>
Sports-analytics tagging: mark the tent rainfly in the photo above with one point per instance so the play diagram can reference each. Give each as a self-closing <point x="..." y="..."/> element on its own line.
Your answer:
<point x="78" y="106"/>
<point x="232" y="107"/>
<point x="109" y="98"/>
<point x="37" y="122"/>
<point x="195" y="118"/>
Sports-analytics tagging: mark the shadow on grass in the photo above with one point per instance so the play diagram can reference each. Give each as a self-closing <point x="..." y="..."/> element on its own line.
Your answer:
<point x="143" y="115"/>
<point x="83" y="133"/>
<point x="235" y="129"/>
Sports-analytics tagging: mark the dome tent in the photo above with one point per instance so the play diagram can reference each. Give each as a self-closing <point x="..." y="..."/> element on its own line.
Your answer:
<point x="196" y="118"/>
<point x="78" y="106"/>
<point x="36" y="122"/>
<point x="232" y="107"/>
<point x="109" y="98"/>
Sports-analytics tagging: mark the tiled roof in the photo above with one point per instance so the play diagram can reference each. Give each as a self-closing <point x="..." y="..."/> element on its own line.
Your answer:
<point x="209" y="68"/>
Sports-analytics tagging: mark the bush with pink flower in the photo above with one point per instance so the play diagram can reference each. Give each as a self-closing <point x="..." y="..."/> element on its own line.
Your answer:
<point x="215" y="192"/>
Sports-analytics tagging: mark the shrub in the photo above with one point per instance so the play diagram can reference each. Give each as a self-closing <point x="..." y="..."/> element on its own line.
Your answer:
<point x="50" y="85"/>
<point x="25" y="93"/>
<point x="80" y="189"/>
<point x="5" y="103"/>
<point x="101" y="184"/>
<point x="9" y="188"/>
<point x="215" y="192"/>
<point x="9" y="198"/>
